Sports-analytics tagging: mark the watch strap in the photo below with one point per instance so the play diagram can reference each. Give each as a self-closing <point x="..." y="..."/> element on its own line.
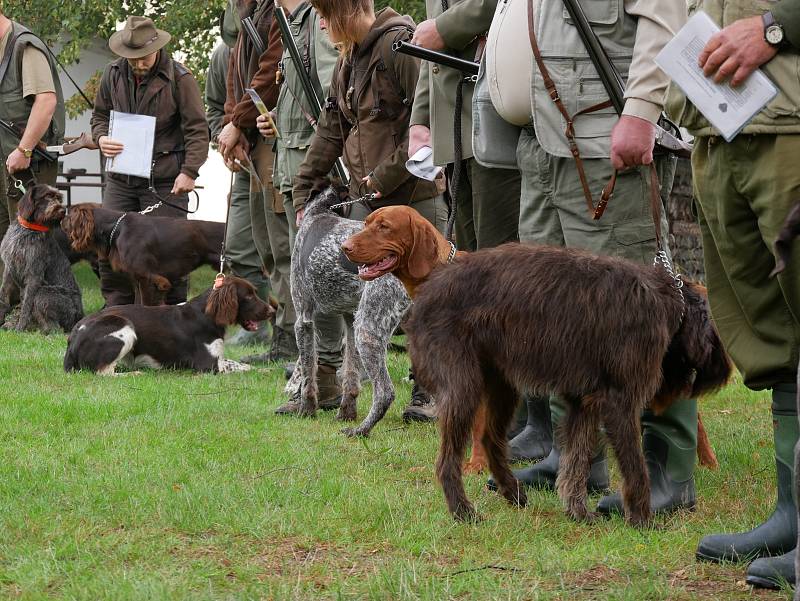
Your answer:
<point x="28" y="153"/>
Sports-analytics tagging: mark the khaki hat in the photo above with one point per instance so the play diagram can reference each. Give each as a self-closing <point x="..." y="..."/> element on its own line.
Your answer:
<point x="138" y="38"/>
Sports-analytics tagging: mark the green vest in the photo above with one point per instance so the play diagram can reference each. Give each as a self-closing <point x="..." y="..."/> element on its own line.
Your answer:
<point x="782" y="114"/>
<point x="575" y="76"/>
<point x="15" y="108"/>
<point x="320" y="57"/>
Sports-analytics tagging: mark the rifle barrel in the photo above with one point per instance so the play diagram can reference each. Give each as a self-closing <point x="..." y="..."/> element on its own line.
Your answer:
<point x="432" y="56"/>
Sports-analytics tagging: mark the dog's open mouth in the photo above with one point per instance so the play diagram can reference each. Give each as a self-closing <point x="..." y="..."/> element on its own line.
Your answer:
<point x="250" y="325"/>
<point x="375" y="270"/>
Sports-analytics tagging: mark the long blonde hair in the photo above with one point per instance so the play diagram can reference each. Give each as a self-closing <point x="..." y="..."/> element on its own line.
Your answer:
<point x="340" y="16"/>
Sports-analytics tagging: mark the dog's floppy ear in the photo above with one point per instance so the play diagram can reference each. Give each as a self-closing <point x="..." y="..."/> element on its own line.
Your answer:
<point x="79" y="227"/>
<point x="223" y="303"/>
<point x="27" y="206"/>
<point x="422" y="255"/>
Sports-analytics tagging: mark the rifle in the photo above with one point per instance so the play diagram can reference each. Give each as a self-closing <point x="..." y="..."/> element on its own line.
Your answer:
<point x="468" y="68"/>
<point x="39" y="150"/>
<point x="252" y="33"/>
<point x="305" y="81"/>
<point x="612" y="80"/>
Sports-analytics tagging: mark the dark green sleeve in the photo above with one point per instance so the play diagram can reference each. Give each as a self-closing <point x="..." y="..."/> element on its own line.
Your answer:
<point x="464" y="21"/>
<point x="787" y="13"/>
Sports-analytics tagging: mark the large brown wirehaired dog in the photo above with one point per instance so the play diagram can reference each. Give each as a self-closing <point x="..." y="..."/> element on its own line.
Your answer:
<point x="608" y="335"/>
<point x="153" y="251"/>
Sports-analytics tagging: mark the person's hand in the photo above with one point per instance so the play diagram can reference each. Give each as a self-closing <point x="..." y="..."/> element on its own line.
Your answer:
<point x="17" y="161"/>
<point x="299" y="216"/>
<point x="427" y="36"/>
<point x="264" y="127"/>
<point x="238" y="152"/>
<point x="632" y="142"/>
<point x="736" y="51"/>
<point x="418" y="136"/>
<point x="183" y="184"/>
<point x="109" y="147"/>
<point x="367" y="181"/>
<point x="228" y="138"/>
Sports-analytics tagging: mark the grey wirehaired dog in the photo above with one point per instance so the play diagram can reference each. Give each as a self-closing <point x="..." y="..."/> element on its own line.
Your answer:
<point x="324" y="280"/>
<point x="37" y="273"/>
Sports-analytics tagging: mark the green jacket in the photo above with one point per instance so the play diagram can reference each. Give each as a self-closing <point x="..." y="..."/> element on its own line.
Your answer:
<point x="782" y="114"/>
<point x="435" y="100"/>
<point x="292" y="110"/>
<point x="15" y="108"/>
<point x="215" y="89"/>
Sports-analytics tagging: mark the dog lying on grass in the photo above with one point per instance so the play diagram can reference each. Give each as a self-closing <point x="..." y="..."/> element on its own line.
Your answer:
<point x="608" y="335"/>
<point x="185" y="336"/>
<point x="37" y="275"/>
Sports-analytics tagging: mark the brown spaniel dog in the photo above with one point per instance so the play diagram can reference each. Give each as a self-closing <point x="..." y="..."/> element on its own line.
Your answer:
<point x="525" y="317"/>
<point x="186" y="336"/>
<point x="153" y="251"/>
<point x="37" y="275"/>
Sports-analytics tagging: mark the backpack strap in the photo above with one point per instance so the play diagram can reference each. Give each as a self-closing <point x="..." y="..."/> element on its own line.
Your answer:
<point x="12" y="42"/>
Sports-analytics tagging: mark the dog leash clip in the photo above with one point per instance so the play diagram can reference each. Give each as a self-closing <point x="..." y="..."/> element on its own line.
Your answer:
<point x="218" y="280"/>
<point x="19" y="185"/>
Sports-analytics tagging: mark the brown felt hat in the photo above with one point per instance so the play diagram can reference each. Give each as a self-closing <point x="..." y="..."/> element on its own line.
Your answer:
<point x="138" y="38"/>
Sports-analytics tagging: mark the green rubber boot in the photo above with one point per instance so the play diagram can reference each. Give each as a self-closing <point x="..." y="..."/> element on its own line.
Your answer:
<point x="543" y="474"/>
<point x="778" y="534"/>
<point x="669" y="442"/>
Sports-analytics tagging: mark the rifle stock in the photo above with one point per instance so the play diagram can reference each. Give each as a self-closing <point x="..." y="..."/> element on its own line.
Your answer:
<point x="39" y="150"/>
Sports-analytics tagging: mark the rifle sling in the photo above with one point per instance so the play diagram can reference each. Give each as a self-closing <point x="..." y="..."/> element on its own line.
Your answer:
<point x="608" y="190"/>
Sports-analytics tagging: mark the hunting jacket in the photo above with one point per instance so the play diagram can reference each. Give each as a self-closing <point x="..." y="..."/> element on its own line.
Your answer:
<point x="365" y="120"/>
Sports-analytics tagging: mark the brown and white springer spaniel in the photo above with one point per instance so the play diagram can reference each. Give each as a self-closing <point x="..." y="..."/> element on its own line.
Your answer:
<point x="185" y="336"/>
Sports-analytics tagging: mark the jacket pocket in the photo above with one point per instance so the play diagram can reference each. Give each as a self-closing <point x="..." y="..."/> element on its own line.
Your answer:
<point x="599" y="12"/>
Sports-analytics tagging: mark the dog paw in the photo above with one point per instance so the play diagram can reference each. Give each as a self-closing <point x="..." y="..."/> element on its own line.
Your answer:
<point x="474" y="466"/>
<point x="466" y="513"/>
<point x="583" y="515"/>
<point x="516" y="496"/>
<point x="355" y="432"/>
<point x="307" y="411"/>
<point x="638" y="520"/>
<point x="346" y="414"/>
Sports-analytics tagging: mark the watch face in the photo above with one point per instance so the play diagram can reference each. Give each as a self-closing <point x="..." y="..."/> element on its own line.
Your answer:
<point x="774" y="35"/>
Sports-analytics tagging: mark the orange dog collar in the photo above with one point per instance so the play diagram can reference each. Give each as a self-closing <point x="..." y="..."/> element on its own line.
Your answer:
<point x="28" y="225"/>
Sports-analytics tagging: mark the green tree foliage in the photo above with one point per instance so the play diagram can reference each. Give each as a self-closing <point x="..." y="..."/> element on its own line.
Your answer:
<point x="73" y="24"/>
<point x="415" y="8"/>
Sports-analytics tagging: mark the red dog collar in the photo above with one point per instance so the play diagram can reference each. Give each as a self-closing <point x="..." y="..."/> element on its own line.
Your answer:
<point x="36" y="227"/>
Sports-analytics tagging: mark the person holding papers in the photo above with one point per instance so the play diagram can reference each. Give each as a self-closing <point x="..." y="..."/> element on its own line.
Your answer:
<point x="744" y="189"/>
<point x="145" y="80"/>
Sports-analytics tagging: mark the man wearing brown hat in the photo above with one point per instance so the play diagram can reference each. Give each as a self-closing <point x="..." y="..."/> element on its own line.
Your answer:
<point x="145" y="80"/>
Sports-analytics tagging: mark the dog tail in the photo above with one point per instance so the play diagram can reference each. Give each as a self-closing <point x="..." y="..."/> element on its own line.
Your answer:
<point x="696" y="362"/>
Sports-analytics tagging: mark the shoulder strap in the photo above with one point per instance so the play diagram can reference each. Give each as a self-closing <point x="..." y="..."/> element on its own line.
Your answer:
<point x="388" y="57"/>
<point x="9" y="52"/>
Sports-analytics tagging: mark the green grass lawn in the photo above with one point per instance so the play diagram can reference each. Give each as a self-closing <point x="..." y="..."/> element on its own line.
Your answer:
<point x="181" y="486"/>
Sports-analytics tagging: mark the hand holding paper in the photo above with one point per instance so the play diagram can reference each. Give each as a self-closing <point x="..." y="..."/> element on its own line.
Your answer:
<point x="736" y="51"/>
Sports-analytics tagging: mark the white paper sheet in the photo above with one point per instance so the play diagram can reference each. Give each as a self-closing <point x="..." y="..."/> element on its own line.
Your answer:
<point x="136" y="133"/>
<point x="728" y="109"/>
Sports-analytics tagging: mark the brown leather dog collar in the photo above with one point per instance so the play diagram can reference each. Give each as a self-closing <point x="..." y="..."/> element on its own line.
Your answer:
<point x="28" y="225"/>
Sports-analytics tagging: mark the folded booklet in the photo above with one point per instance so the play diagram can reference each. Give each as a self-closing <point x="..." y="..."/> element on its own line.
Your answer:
<point x="728" y="109"/>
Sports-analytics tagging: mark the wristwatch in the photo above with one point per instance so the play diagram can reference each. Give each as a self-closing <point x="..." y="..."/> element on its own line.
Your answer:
<point x="773" y="32"/>
<point x="25" y="152"/>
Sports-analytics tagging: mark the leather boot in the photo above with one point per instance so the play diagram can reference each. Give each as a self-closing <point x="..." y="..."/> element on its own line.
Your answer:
<point x="422" y="407"/>
<point x="329" y="392"/>
<point x="669" y="443"/>
<point x="773" y="572"/>
<point x="778" y="534"/>
<point x="282" y="349"/>
<point x="536" y="438"/>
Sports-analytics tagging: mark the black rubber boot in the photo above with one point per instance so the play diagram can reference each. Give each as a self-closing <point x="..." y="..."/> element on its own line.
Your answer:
<point x="778" y="534"/>
<point x="666" y="495"/>
<point x="772" y="572"/>
<point x="519" y="421"/>
<point x="543" y="474"/>
<point x="422" y="407"/>
<point x="536" y="438"/>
